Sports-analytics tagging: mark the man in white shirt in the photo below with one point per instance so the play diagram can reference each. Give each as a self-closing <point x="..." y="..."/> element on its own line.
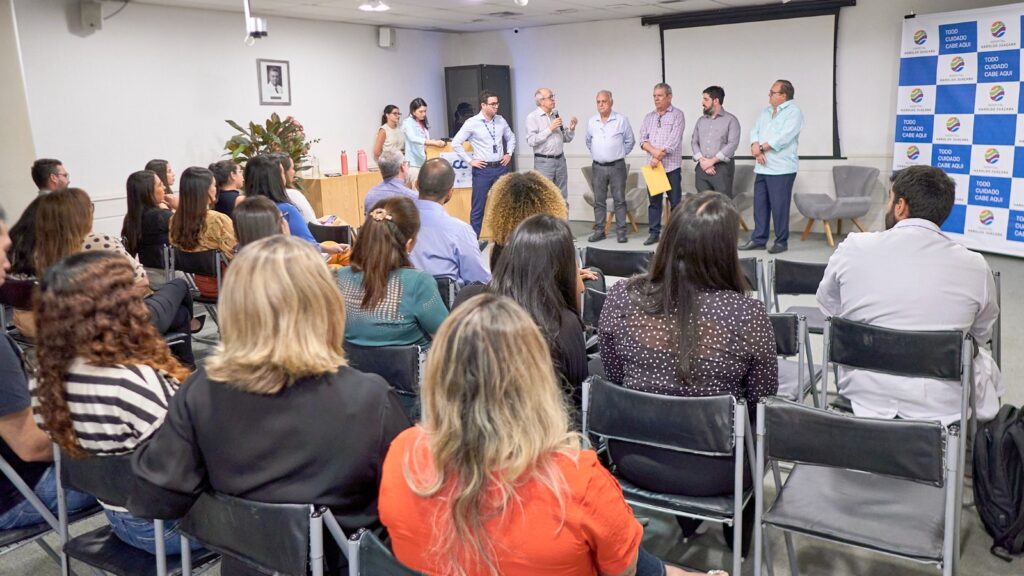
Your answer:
<point x="547" y="135"/>
<point x="913" y="277"/>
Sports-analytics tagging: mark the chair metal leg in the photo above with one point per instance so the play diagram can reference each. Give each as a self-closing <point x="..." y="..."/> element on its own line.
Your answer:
<point x="161" y="547"/>
<point x="791" y="553"/>
<point x="857" y="224"/>
<point x="828" y="234"/>
<point x="316" y="545"/>
<point x="759" y="492"/>
<point x="768" y="558"/>
<point x="807" y="229"/>
<point x="737" y="512"/>
<point x="186" y="556"/>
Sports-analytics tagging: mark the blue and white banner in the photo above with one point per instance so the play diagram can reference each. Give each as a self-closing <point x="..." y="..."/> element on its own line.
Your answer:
<point x="961" y="108"/>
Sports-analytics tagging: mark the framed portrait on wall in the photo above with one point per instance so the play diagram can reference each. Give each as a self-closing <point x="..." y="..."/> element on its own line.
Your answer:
<point x="275" y="82"/>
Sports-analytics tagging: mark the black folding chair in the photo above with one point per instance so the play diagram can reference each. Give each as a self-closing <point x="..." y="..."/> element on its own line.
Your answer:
<point x="15" y="295"/>
<point x="400" y="366"/>
<point x="797" y="378"/>
<point x="206" y="263"/>
<point x="618" y="263"/>
<point x="753" y="273"/>
<point x="277" y="538"/>
<point x="709" y="426"/>
<point x="798" y="278"/>
<point x="110" y="480"/>
<point x="448" y="288"/>
<point x="14" y="538"/>
<point x="887" y="486"/>
<point x="327" y="233"/>
<point x="367" y="556"/>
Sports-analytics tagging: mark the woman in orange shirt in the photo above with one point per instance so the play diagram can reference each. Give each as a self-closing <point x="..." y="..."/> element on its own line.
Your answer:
<point x="493" y="481"/>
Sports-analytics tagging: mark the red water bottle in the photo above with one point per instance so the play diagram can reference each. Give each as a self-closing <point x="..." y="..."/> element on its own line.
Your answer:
<point x="361" y="165"/>
<point x="344" y="163"/>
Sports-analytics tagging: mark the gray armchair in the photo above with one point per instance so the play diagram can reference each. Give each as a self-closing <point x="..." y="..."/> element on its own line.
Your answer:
<point x="636" y="197"/>
<point x="743" y="190"/>
<point x="854" y="186"/>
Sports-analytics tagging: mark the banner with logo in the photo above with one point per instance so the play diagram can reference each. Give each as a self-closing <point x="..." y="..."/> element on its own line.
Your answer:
<point x="960" y="109"/>
<point x="463" y="171"/>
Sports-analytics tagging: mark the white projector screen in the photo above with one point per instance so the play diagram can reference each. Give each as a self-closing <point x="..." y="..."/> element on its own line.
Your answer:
<point x="744" y="59"/>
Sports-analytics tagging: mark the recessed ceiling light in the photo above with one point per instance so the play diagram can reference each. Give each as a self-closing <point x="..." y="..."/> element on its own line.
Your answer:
<point x="374" y="6"/>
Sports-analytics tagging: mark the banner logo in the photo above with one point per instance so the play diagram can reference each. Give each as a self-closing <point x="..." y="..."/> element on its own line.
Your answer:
<point x="992" y="156"/>
<point x="916" y="95"/>
<point x="957" y="64"/>
<point x="998" y="29"/>
<point x="913" y="152"/>
<point x="996" y="93"/>
<point x="920" y="37"/>
<point x="953" y="124"/>
<point x="986" y="217"/>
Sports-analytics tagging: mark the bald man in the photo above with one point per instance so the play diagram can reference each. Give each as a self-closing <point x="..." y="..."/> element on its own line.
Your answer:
<point x="547" y="134"/>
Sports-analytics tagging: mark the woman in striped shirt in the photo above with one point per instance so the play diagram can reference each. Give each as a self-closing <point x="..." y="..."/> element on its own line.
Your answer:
<point x="105" y="375"/>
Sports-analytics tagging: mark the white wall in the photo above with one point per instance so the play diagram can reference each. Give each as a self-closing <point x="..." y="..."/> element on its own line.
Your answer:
<point x="16" y="188"/>
<point x="159" y="82"/>
<point x="576" y="60"/>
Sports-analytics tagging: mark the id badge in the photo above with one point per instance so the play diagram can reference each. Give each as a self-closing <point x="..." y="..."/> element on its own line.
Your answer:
<point x="494" y="148"/>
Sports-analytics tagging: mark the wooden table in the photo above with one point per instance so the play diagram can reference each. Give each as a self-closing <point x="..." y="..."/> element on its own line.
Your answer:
<point x="340" y="195"/>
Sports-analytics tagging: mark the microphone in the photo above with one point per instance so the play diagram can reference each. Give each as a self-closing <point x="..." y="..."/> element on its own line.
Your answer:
<point x="554" y="114"/>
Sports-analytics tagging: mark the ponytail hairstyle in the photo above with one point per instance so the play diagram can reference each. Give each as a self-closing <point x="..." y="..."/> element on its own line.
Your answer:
<point x="387" y="110"/>
<point x="380" y="247"/>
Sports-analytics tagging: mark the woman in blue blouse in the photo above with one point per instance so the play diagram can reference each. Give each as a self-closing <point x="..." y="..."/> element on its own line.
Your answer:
<point x="387" y="301"/>
<point x="264" y="177"/>
<point x="417" y="138"/>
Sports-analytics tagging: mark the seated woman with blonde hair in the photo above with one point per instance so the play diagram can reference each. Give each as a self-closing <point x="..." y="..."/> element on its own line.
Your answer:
<point x="277" y="415"/>
<point x="515" y="197"/>
<point x="493" y="481"/>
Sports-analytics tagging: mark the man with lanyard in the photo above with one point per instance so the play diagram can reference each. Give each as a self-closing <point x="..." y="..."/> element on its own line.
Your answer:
<point x="774" y="142"/>
<point x="715" y="138"/>
<point x="547" y="134"/>
<point x="487" y="132"/>
<point x="661" y="136"/>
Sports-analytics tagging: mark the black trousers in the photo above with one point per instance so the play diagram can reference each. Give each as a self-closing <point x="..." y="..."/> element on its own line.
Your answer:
<point x="720" y="182"/>
<point x="170" y="310"/>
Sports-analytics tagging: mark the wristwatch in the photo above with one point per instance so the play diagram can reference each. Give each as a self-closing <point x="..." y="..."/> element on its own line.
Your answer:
<point x="761" y="148"/>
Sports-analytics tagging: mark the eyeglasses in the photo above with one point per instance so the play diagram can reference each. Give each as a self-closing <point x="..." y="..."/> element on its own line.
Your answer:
<point x="63" y="175"/>
<point x="551" y="97"/>
<point x="395" y="113"/>
<point x="771" y="92"/>
<point x="491" y="104"/>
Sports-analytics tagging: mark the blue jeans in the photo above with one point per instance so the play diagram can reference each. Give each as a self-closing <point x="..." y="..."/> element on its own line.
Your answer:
<point x="24" y="514"/>
<point x="675" y="194"/>
<point x="139" y="533"/>
<point x="483" y="179"/>
<point x="772" y="195"/>
<point x="648" y="565"/>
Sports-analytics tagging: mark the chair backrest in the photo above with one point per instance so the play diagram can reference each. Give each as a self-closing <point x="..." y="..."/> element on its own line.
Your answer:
<point x="108" y="478"/>
<point x="328" y="233"/>
<point x="854" y="181"/>
<point x="17" y="293"/>
<point x="699" y="425"/>
<point x="789" y="277"/>
<point x="743" y="186"/>
<point x="205" y="263"/>
<point x="588" y="176"/>
<point x="787" y="333"/>
<point x="268" y="536"/>
<point x="909" y="449"/>
<point x="448" y="289"/>
<point x="593" y="302"/>
<point x="619" y="263"/>
<point x="399" y="365"/>
<point x="369" y="557"/>
<point x="914" y="354"/>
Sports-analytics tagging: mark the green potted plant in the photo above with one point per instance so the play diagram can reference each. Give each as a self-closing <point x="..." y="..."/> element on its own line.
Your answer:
<point x="274" y="135"/>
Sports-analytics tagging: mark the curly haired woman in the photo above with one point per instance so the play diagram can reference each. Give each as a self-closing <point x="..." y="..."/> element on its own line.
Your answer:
<point x="105" y="375"/>
<point x="514" y="198"/>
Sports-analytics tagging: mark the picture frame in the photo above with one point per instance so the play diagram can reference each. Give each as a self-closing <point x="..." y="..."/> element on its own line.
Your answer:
<point x="274" y="82"/>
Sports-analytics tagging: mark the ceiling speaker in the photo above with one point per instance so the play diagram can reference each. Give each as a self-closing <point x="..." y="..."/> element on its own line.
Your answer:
<point x="385" y="37"/>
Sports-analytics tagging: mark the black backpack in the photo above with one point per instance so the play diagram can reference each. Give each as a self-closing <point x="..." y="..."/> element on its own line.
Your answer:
<point x="999" y="480"/>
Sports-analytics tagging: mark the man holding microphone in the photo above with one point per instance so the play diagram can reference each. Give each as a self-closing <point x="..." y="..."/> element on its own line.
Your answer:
<point x="547" y="134"/>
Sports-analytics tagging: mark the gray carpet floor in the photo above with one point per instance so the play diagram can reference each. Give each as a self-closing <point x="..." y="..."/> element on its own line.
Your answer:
<point x="707" y="549"/>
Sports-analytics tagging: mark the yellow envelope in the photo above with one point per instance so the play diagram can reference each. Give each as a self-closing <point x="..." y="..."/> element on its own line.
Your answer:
<point x="656" y="179"/>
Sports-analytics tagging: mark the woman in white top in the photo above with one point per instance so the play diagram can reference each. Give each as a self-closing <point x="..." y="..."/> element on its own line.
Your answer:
<point x="417" y="138"/>
<point x="389" y="135"/>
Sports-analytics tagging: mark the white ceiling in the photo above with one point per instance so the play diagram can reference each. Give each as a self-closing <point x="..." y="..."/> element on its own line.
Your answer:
<point x="462" y="15"/>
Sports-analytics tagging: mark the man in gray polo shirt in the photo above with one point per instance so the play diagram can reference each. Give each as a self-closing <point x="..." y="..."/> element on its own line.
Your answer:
<point x="714" y="142"/>
<point x="547" y="134"/>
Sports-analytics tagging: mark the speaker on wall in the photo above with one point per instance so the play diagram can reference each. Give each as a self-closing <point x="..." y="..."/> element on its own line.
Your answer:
<point x="91" y="14"/>
<point x="385" y="37"/>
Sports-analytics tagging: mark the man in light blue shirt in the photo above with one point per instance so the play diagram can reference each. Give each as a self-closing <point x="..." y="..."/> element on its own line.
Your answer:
<point x="774" y="142"/>
<point x="392" y="170"/>
<point x="610" y="139"/>
<point x="493" y="143"/>
<point x="445" y="246"/>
